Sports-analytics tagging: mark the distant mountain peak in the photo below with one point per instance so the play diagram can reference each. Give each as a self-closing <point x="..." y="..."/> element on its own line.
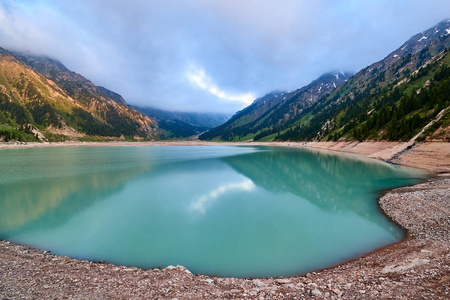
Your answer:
<point x="184" y="124"/>
<point x="421" y="40"/>
<point x="276" y="108"/>
<point x="116" y="97"/>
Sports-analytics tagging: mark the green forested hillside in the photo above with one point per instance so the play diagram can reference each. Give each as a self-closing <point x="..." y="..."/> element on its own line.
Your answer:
<point x="396" y="111"/>
<point x="400" y="110"/>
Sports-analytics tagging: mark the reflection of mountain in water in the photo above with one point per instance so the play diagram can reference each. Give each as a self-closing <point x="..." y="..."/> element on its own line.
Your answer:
<point x="45" y="187"/>
<point x="329" y="181"/>
<point x="45" y="203"/>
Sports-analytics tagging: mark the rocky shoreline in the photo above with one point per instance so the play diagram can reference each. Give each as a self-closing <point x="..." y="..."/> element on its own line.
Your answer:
<point x="416" y="268"/>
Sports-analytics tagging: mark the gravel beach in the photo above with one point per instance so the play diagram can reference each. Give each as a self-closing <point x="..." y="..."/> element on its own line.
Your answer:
<point x="416" y="268"/>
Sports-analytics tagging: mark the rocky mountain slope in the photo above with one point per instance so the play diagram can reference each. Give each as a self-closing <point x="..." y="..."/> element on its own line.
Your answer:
<point x="116" y="97"/>
<point x="40" y="99"/>
<point x="275" y="109"/>
<point x="391" y="99"/>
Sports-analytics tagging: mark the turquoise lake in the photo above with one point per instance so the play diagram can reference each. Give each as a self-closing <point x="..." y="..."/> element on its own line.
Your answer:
<point x="218" y="210"/>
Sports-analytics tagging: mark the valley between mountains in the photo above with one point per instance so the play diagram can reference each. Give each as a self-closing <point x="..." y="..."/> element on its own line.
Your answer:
<point x="393" y="99"/>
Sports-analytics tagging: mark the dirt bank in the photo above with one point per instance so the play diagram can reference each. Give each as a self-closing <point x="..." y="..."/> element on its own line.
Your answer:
<point x="416" y="268"/>
<point x="432" y="156"/>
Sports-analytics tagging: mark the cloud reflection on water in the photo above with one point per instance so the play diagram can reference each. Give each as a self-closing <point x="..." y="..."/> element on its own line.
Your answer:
<point x="199" y="205"/>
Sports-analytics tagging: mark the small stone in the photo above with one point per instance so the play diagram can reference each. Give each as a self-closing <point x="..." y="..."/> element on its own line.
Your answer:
<point x="181" y="268"/>
<point x="209" y="280"/>
<point x="283" y="281"/>
<point x="401" y="268"/>
<point x="103" y="262"/>
<point x="234" y="291"/>
<point x="258" y="283"/>
<point x="316" y="292"/>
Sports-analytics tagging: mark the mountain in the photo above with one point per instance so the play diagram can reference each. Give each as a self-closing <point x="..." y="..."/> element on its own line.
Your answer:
<point x="391" y="99"/>
<point x="183" y="124"/>
<point x="386" y="91"/>
<point x="40" y="99"/>
<point x="110" y="94"/>
<point x="274" y="110"/>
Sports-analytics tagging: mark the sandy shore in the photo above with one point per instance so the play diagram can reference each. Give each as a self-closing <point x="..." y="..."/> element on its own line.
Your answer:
<point x="416" y="268"/>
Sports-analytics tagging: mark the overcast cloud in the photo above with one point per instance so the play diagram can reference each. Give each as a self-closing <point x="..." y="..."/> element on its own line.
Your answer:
<point x="212" y="55"/>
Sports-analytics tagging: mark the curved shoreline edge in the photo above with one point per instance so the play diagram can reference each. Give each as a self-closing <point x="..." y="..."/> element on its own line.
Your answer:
<point x="417" y="267"/>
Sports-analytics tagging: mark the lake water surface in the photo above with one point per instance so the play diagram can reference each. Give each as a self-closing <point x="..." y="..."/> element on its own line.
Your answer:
<point x="220" y="210"/>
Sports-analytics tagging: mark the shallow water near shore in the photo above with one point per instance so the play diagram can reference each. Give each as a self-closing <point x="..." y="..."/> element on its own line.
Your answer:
<point x="222" y="210"/>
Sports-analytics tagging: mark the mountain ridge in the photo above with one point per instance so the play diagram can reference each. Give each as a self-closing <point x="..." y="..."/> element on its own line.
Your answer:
<point x="59" y="104"/>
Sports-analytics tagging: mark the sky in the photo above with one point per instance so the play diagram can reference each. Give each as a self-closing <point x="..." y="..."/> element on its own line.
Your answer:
<point x="212" y="55"/>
